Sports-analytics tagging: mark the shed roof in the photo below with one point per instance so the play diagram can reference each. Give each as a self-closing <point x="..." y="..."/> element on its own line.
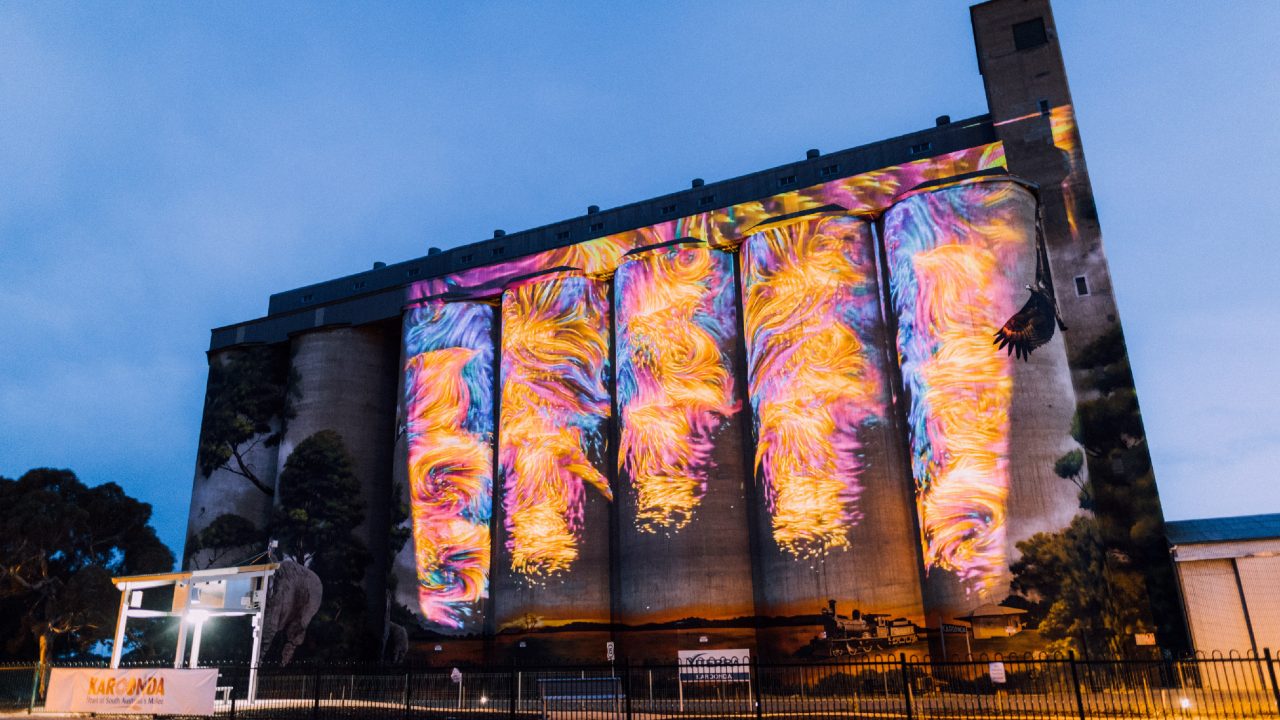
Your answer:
<point x="991" y="610"/>
<point x="1227" y="529"/>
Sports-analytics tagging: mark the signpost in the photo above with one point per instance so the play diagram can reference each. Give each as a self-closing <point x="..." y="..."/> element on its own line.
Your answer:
<point x="954" y="629"/>
<point x="713" y="666"/>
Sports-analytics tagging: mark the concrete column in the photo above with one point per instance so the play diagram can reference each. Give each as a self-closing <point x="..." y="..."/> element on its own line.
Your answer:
<point x="346" y="380"/>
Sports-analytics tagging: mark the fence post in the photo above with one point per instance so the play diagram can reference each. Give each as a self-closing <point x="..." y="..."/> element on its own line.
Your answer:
<point x="1271" y="671"/>
<point x="315" y="703"/>
<point x="408" y="693"/>
<point x="513" y="690"/>
<point x="626" y="685"/>
<point x="753" y="672"/>
<point x="233" y="705"/>
<point x="1075" y="683"/>
<point x="906" y="685"/>
<point x="35" y="687"/>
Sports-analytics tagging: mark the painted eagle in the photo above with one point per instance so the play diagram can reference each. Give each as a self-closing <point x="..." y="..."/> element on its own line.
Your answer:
<point x="1032" y="326"/>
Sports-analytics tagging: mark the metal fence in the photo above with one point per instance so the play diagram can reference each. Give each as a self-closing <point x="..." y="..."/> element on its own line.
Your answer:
<point x="1011" y="687"/>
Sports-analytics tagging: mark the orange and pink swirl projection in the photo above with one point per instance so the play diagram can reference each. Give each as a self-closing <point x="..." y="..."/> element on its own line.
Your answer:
<point x="449" y="427"/>
<point x="814" y="381"/>
<point x="555" y="404"/>
<point x="954" y="257"/>
<point x="722" y="228"/>
<point x="676" y="322"/>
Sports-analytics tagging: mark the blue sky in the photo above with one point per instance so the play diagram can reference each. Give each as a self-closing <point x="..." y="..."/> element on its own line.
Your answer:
<point x="165" y="167"/>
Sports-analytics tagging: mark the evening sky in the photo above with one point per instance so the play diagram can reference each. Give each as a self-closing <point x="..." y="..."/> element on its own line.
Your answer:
<point x="164" y="167"/>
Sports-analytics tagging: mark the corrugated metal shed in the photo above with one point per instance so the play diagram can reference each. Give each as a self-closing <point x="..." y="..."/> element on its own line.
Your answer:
<point x="1227" y="529"/>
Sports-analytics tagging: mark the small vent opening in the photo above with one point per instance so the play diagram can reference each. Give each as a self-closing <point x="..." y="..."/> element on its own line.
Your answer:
<point x="1030" y="34"/>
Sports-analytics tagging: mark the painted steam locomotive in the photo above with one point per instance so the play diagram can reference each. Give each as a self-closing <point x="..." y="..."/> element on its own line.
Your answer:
<point x="858" y="633"/>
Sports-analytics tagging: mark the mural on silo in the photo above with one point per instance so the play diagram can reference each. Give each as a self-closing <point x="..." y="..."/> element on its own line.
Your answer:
<point x="683" y="535"/>
<point x="818" y="424"/>
<point x="449" y="427"/>
<point x="552" y="442"/>
<point x="828" y="462"/>
<point x="988" y="413"/>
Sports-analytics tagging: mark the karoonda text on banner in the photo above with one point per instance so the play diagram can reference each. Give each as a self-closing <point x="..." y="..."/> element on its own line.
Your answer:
<point x="151" y="691"/>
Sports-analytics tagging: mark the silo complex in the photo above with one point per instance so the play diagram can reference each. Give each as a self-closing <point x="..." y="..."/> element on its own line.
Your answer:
<point x="683" y="536"/>
<point x="985" y="427"/>
<point x="809" y="411"/>
<point x="834" y="511"/>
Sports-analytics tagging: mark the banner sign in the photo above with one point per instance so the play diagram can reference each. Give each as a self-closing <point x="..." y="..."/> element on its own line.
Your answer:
<point x="150" y="691"/>
<point x="715" y="665"/>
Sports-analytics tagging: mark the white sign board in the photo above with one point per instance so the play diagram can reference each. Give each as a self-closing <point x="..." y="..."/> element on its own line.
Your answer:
<point x="150" y="691"/>
<point x="608" y="651"/>
<point x="715" y="665"/>
<point x="996" y="669"/>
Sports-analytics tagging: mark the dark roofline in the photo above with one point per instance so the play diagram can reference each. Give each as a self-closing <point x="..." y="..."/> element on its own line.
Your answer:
<point x="1223" y="529"/>
<point x="368" y="290"/>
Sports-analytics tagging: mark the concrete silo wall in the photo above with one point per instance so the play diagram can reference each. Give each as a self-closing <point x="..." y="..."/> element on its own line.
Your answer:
<point x="986" y="428"/>
<point x="404" y="567"/>
<point x="551" y="565"/>
<point x="448" y="411"/>
<point x="683" y="545"/>
<point x="834" y="509"/>
<point x="346" y="381"/>
<point x="226" y="492"/>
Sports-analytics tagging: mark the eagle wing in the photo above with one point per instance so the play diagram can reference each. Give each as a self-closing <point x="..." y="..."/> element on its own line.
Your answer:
<point x="1029" y="328"/>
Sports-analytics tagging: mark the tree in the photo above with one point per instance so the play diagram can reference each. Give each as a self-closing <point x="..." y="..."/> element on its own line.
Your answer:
<point x="320" y="500"/>
<point x="60" y="544"/>
<point x="248" y="391"/>
<point x="1108" y="574"/>
<point x="320" y="507"/>
<point x="229" y="537"/>
<point x="1123" y="491"/>
<point x="1077" y="601"/>
<point x="395" y="615"/>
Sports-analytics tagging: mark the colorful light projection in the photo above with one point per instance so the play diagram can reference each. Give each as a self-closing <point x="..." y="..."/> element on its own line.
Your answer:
<point x="813" y="380"/>
<point x="952" y="254"/>
<point x="555" y="358"/>
<point x="676" y="322"/>
<point x="528" y="502"/>
<point x="722" y="228"/>
<point x="448" y="389"/>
